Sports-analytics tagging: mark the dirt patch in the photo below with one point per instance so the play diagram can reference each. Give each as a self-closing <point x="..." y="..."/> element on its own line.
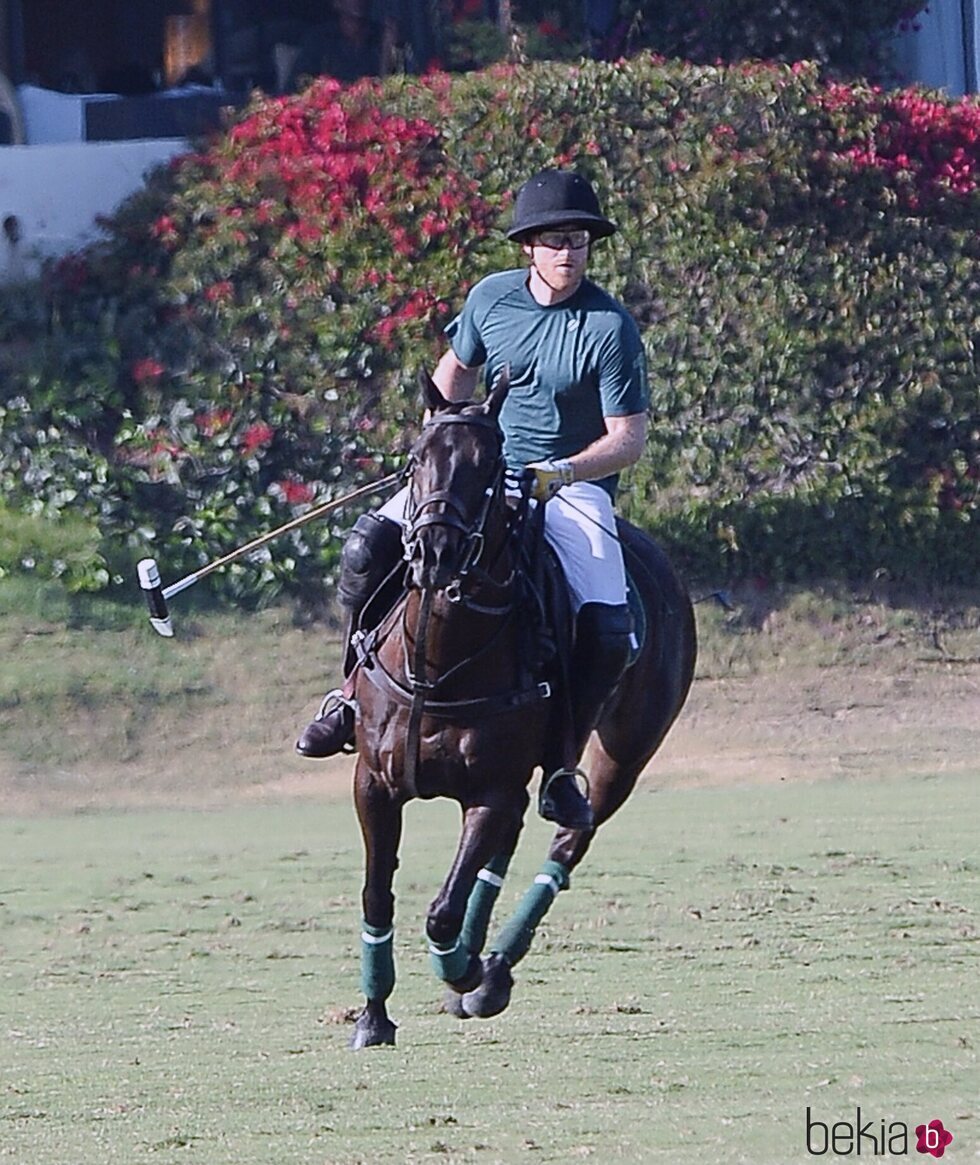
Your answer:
<point x="817" y="724"/>
<point x="804" y="689"/>
<point x="805" y="724"/>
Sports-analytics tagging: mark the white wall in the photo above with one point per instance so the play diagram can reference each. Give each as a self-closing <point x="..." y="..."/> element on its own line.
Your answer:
<point x="941" y="52"/>
<point x="55" y="193"/>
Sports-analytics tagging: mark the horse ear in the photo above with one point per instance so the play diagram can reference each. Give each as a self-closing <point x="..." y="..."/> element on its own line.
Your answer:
<point x="431" y="396"/>
<point x="498" y="394"/>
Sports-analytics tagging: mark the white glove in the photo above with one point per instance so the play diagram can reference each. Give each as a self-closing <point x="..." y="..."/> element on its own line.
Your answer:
<point x="549" y="477"/>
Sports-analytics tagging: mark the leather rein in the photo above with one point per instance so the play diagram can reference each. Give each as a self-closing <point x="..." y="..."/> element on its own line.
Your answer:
<point x="420" y="516"/>
<point x="440" y="507"/>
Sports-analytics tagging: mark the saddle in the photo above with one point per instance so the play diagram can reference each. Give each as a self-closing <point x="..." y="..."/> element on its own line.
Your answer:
<point x="547" y="633"/>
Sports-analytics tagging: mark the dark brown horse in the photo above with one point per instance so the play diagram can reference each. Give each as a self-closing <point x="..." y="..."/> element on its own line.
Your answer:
<point x="449" y="706"/>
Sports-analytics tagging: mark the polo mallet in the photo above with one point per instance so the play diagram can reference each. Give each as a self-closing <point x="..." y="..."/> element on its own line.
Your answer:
<point x="157" y="595"/>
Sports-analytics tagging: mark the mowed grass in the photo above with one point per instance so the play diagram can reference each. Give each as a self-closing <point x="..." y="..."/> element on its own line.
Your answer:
<point x="174" y="985"/>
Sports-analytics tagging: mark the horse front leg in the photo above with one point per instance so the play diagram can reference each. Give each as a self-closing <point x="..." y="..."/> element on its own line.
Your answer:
<point x="483" y="898"/>
<point x="457" y="919"/>
<point x="379" y="813"/>
<point x="479" y="909"/>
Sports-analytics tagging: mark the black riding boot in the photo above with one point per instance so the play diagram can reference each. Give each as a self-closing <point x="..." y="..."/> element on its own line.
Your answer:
<point x="369" y="583"/>
<point x="599" y="658"/>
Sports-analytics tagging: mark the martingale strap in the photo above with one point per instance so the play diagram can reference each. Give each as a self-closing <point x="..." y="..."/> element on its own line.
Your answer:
<point x="441" y="507"/>
<point x="418" y="691"/>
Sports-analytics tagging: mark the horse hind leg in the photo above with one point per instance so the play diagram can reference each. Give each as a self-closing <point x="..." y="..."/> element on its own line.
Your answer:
<point x="621" y="747"/>
<point x="492" y="996"/>
<point x="611" y="785"/>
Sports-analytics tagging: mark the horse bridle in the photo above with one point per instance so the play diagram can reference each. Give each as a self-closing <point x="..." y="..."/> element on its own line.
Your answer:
<point x="419" y="514"/>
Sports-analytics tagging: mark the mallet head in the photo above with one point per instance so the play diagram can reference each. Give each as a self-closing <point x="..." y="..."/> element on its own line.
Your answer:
<point x="149" y="578"/>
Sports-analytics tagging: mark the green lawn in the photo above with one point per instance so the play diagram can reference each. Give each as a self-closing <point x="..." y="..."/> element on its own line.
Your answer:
<point x="174" y="986"/>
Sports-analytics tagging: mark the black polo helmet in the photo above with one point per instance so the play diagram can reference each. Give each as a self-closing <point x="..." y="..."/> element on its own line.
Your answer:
<point x="553" y="197"/>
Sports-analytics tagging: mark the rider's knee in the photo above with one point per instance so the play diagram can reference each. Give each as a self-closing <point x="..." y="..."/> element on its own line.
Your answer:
<point x="371" y="552"/>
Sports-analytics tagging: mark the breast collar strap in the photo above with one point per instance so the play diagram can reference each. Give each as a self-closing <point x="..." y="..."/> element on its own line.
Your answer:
<point x="451" y="514"/>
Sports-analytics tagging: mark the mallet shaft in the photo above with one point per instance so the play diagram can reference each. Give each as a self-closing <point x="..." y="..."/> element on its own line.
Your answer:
<point x="149" y="575"/>
<point x="310" y="516"/>
<point x="181" y="585"/>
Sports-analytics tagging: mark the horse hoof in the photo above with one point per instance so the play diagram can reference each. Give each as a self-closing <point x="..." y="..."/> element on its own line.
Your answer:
<point x="471" y="979"/>
<point x="493" y="994"/>
<point x="371" y="1031"/>
<point x="452" y="1004"/>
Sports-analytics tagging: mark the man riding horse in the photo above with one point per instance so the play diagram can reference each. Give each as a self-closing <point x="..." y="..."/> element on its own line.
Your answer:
<point x="575" y="416"/>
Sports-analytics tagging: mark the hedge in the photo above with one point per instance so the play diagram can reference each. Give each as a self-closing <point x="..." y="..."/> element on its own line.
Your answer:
<point x="801" y="258"/>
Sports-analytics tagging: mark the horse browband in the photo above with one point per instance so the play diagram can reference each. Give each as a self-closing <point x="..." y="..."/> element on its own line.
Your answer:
<point x="418" y="520"/>
<point x="482" y="419"/>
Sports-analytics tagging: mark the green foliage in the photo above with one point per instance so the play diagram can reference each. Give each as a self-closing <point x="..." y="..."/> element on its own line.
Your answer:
<point x="844" y="39"/>
<point x="847" y="38"/>
<point x="235" y="352"/>
<point x="67" y="550"/>
<point x="799" y="257"/>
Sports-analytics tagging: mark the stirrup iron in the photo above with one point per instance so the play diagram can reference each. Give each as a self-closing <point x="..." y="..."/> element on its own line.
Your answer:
<point x="547" y="807"/>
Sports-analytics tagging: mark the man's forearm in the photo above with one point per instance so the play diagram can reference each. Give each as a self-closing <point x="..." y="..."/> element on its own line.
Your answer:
<point x="617" y="449"/>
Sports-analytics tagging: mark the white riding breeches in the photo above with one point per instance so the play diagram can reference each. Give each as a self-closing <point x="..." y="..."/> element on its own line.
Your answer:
<point x="580" y="526"/>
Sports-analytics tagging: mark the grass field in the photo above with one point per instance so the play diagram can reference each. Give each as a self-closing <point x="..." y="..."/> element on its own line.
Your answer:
<point x="785" y="917"/>
<point x="175" y="986"/>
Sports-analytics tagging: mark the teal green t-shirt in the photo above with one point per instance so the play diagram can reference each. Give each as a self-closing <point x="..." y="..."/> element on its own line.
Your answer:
<point x="572" y="364"/>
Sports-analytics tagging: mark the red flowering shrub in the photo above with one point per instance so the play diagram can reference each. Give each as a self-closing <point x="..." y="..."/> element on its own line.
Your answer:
<point x="147" y="371"/>
<point x="800" y="258"/>
<point x="921" y="152"/>
<point x="276" y="289"/>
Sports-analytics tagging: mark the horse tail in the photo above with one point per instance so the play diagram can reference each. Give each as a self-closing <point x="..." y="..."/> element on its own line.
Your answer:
<point x="655" y="687"/>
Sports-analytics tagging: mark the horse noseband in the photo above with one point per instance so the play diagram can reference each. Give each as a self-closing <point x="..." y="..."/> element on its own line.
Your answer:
<point x="453" y="517"/>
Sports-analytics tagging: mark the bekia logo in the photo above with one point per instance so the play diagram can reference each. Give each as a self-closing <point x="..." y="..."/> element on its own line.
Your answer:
<point x="873" y="1139"/>
<point x="933" y="1138"/>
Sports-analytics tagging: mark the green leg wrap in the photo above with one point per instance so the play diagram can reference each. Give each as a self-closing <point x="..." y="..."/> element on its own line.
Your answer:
<point x="514" y="940"/>
<point x="483" y="898"/>
<point x="377" y="962"/>
<point x="449" y="963"/>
